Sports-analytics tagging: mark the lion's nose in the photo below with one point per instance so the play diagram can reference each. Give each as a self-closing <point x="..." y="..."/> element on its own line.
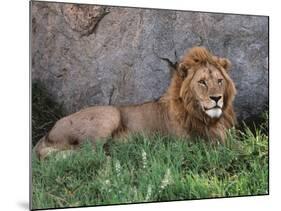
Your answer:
<point x="215" y="98"/>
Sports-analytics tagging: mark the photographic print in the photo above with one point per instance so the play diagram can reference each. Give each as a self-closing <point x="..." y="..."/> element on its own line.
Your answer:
<point x="136" y="105"/>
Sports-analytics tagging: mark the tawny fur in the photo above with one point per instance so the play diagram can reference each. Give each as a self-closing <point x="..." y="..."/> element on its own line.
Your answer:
<point x="180" y="111"/>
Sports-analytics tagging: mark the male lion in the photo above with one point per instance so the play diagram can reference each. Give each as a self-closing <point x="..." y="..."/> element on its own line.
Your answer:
<point x="198" y="102"/>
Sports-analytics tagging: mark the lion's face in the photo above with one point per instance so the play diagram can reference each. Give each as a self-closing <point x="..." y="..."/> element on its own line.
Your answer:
<point x="206" y="85"/>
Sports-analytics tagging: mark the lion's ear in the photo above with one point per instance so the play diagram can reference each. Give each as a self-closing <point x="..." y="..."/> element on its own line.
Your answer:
<point x="182" y="70"/>
<point x="225" y="63"/>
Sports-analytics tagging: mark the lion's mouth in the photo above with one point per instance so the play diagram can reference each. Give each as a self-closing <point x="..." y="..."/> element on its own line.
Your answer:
<point x="214" y="112"/>
<point x="206" y="109"/>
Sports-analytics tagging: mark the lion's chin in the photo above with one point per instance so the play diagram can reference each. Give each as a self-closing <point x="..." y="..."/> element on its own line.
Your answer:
<point x="214" y="112"/>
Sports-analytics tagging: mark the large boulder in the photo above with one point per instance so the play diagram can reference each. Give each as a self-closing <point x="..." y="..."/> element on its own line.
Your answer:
<point x="88" y="55"/>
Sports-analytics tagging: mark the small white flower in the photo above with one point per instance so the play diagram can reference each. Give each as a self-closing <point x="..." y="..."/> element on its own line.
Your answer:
<point x="107" y="182"/>
<point x="106" y="186"/>
<point x="167" y="180"/>
<point x="135" y="191"/>
<point x="144" y="159"/>
<point x="149" y="192"/>
<point x="118" y="168"/>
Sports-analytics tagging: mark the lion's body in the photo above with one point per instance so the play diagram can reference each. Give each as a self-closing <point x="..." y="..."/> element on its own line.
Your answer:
<point x="178" y="112"/>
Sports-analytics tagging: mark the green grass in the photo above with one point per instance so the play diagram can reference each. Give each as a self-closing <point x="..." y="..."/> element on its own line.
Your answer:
<point x="153" y="168"/>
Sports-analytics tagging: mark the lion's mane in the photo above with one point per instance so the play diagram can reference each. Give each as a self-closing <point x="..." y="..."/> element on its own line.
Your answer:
<point x="182" y="112"/>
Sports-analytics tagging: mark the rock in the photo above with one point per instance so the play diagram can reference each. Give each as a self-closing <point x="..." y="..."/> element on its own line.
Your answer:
<point x="82" y="18"/>
<point x="95" y="55"/>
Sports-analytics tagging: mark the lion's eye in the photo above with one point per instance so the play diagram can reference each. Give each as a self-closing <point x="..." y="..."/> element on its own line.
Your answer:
<point x="203" y="82"/>
<point x="219" y="81"/>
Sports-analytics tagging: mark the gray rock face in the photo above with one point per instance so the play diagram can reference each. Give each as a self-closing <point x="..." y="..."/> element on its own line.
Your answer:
<point x="93" y="55"/>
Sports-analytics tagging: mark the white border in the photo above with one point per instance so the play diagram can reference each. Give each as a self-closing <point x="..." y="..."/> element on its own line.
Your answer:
<point x="14" y="104"/>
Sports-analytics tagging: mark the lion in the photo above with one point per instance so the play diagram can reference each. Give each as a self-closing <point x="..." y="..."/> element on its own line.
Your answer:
<point x="197" y="103"/>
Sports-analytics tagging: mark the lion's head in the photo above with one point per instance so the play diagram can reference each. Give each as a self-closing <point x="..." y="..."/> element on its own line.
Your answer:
<point x="202" y="90"/>
<point x="206" y="84"/>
